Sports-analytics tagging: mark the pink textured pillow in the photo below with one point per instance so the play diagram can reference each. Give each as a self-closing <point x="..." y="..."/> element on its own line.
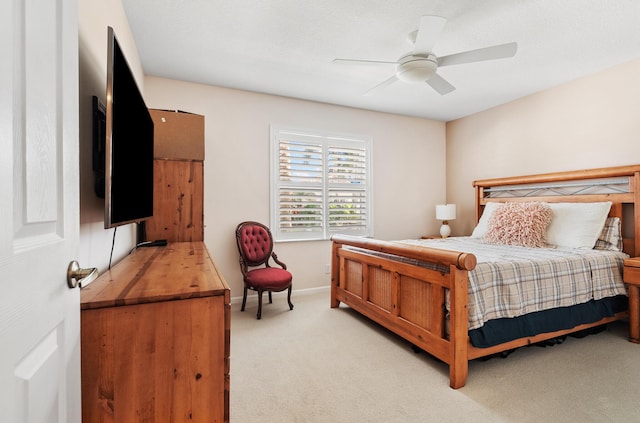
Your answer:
<point x="523" y="224"/>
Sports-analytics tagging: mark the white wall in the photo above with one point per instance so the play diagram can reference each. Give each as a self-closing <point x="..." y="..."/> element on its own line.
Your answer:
<point x="588" y="123"/>
<point x="94" y="17"/>
<point x="408" y="165"/>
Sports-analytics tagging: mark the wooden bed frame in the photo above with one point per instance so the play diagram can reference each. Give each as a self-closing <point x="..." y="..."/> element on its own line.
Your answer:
<point x="410" y="300"/>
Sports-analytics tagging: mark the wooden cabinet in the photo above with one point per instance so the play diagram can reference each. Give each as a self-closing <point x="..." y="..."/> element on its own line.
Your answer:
<point x="155" y="333"/>
<point x="178" y="193"/>
<point x="178" y="209"/>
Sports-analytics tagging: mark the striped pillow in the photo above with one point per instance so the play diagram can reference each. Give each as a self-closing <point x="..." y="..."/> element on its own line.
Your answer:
<point x="610" y="238"/>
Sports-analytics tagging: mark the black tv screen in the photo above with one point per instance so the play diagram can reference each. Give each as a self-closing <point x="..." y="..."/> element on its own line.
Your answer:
<point x="128" y="145"/>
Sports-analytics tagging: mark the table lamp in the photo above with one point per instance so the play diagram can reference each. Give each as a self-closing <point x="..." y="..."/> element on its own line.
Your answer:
<point x="445" y="212"/>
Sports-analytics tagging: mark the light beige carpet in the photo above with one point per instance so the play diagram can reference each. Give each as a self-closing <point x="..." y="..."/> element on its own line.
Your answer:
<point x="317" y="364"/>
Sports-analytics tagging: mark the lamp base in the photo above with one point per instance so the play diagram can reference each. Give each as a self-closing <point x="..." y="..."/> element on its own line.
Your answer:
<point x="445" y="230"/>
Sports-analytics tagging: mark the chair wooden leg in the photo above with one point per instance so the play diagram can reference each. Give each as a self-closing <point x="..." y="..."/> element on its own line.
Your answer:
<point x="244" y="299"/>
<point x="270" y="299"/>
<point x="260" y="304"/>
<point x="289" y="299"/>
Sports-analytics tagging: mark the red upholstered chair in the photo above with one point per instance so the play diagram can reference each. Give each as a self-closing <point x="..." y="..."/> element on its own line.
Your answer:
<point x="255" y="245"/>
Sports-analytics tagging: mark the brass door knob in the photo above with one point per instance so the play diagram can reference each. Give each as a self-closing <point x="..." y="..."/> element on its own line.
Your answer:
<point x="77" y="276"/>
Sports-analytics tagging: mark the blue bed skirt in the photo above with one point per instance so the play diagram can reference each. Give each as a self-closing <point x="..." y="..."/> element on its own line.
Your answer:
<point x="499" y="331"/>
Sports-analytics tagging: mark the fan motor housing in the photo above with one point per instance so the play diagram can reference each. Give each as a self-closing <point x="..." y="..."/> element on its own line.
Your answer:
<point x="417" y="67"/>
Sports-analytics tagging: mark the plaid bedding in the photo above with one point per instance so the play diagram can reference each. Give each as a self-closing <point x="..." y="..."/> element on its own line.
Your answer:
<point x="511" y="281"/>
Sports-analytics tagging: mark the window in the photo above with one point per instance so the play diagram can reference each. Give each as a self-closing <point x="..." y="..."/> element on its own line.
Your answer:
<point x="320" y="185"/>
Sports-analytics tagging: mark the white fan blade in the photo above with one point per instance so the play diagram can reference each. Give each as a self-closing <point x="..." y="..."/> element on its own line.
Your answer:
<point x="441" y="85"/>
<point x="488" y="53"/>
<point x="428" y="32"/>
<point x="362" y="62"/>
<point x="381" y="85"/>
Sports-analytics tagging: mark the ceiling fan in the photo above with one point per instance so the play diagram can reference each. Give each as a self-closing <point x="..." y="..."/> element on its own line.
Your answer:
<point x="422" y="65"/>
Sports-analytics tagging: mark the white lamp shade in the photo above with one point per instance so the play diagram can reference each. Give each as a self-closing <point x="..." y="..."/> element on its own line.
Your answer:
<point x="445" y="211"/>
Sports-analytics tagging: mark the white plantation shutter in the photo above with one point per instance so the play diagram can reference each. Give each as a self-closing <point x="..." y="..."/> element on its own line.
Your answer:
<point x="347" y="187"/>
<point x="300" y="182"/>
<point x="320" y="185"/>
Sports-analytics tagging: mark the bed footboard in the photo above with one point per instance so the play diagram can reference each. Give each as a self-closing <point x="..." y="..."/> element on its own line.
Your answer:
<point x="406" y="298"/>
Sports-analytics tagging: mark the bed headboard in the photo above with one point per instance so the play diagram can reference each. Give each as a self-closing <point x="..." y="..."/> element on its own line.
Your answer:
<point x="620" y="185"/>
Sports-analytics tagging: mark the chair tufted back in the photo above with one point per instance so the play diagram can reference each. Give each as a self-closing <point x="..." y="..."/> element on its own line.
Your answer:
<point x="256" y="244"/>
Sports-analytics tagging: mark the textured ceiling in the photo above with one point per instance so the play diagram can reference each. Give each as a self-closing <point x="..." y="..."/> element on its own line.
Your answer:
<point x="286" y="47"/>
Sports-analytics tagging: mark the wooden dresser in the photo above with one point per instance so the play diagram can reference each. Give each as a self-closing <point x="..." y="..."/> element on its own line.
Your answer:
<point x="632" y="279"/>
<point x="155" y="339"/>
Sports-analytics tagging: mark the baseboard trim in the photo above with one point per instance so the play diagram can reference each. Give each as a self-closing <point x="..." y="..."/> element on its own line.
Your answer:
<point x="252" y="296"/>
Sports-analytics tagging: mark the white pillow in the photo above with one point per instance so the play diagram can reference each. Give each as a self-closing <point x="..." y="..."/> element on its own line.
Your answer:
<point x="483" y="224"/>
<point x="577" y="225"/>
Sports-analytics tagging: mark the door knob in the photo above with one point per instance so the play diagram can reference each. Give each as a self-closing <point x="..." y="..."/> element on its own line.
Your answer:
<point x="77" y="276"/>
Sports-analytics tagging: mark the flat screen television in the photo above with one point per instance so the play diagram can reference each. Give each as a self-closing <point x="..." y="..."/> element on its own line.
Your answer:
<point x="128" y="151"/>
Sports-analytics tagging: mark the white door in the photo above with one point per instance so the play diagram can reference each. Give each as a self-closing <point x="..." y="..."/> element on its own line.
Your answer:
<point x="39" y="314"/>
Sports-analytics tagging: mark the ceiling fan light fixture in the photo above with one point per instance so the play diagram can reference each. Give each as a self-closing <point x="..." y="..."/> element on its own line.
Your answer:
<point x="417" y="68"/>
